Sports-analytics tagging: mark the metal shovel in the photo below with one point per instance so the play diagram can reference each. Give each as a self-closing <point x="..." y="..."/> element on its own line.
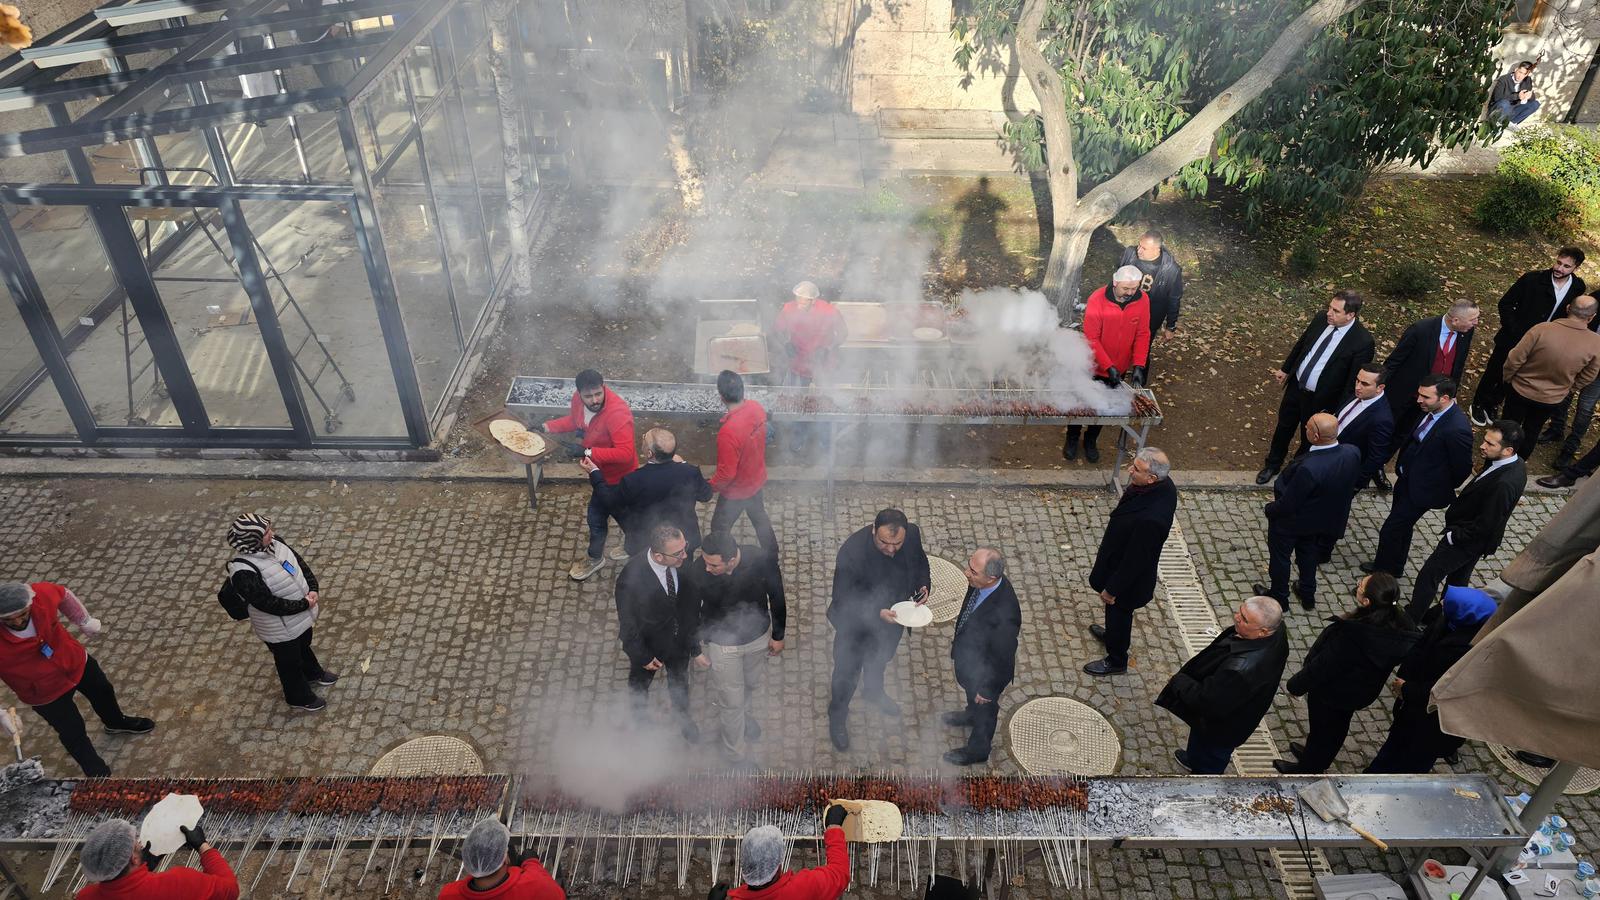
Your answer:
<point x="1329" y="805"/>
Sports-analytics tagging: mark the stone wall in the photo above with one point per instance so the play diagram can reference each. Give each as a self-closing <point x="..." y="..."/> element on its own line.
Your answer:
<point x="1563" y="45"/>
<point x="902" y="58"/>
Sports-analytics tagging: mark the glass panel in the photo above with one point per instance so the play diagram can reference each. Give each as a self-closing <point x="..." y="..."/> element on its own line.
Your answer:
<point x="268" y="152"/>
<point x="215" y="326"/>
<point x="407" y="217"/>
<point x="467" y="27"/>
<point x="27" y="405"/>
<point x="488" y="154"/>
<point x="429" y="62"/>
<point x="386" y="115"/>
<point x="444" y="138"/>
<point x="325" y="306"/>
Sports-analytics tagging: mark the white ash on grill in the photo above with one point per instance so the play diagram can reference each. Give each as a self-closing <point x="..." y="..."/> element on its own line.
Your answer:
<point x="31" y="806"/>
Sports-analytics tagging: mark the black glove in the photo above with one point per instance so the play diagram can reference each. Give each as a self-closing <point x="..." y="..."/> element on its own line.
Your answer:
<point x="194" y="837"/>
<point x="150" y="859"/>
<point x="1136" y="376"/>
<point x="718" y="891"/>
<point x="1113" y="377"/>
<point x="835" y="816"/>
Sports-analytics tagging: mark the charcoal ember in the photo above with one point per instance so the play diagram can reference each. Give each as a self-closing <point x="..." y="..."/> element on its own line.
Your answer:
<point x="20" y="773"/>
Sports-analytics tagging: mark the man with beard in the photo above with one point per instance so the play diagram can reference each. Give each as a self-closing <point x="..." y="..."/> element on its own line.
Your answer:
<point x="1318" y="373"/>
<point x="1438" y="345"/>
<point x="1162" y="282"/>
<point x="1117" y="326"/>
<point x="1539" y="296"/>
<point x="1434" y="458"/>
<point x="877" y="567"/>
<point x="603" y="425"/>
<point x="1367" y="424"/>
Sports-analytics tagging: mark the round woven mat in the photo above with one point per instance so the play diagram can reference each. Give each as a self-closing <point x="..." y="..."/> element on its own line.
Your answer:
<point x="435" y="754"/>
<point x="1060" y="736"/>
<point x="1587" y="781"/>
<point x="948" y="589"/>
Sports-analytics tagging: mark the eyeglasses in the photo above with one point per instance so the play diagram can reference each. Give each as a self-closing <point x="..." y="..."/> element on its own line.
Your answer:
<point x="681" y="554"/>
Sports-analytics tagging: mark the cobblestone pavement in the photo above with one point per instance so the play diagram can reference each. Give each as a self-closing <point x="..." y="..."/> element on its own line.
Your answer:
<point x="448" y="609"/>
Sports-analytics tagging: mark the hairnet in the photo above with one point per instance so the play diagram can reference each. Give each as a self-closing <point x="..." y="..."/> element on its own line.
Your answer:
<point x="485" y="848"/>
<point x="761" y="854"/>
<point x="14" y="598"/>
<point x="107" y="850"/>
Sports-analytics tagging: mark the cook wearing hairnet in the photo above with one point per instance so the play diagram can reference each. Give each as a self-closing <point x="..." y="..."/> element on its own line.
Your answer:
<point x="116" y="866"/>
<point x="494" y="875"/>
<point x="761" y="857"/>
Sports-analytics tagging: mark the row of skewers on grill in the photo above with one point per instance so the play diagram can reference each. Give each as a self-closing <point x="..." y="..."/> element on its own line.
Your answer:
<point x="348" y="796"/>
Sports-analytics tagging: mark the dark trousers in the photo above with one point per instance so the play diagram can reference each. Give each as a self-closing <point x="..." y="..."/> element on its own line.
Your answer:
<point x="1394" y="538"/>
<point x="1491" y="385"/>
<point x="1294" y="410"/>
<point x="62" y="714"/>
<point x="727" y="513"/>
<point x="1405" y="422"/>
<point x="1415" y="742"/>
<point x="1585" y="465"/>
<point x="983" y="718"/>
<point x="1587" y="400"/>
<point x="1119" y="633"/>
<point x="1532" y="414"/>
<point x="1447" y="563"/>
<point x="1307" y="550"/>
<point x="1206" y="757"/>
<point x="639" y="679"/>
<point x="597" y="516"/>
<point x="1090" y="434"/>
<point x="297" y="668"/>
<point x="860" y="654"/>
<point x="1325" y="736"/>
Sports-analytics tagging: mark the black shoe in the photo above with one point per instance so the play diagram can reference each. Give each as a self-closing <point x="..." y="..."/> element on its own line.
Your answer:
<point x="1306" y="603"/>
<point x="132" y="725"/>
<point x="1091" y="453"/>
<point x="957" y="719"/>
<point x="1286" y="767"/>
<point x="1101" y="668"/>
<point x="1369" y="567"/>
<point x="1551" y="434"/>
<point x="690" y="732"/>
<point x="1454" y="758"/>
<point x="1183" y="760"/>
<point x="1297" y="748"/>
<point x="1098" y="632"/>
<point x="317" y="704"/>
<point x="1266" y="474"/>
<point x="963" y="758"/>
<point x="328" y="679"/>
<point x="752" y="728"/>
<point x="1534" y="759"/>
<point x="839" y="733"/>
<point x="1069" y="449"/>
<point x="1382" y="482"/>
<point x="1558" y="480"/>
<point x="885" y="705"/>
<point x="1264" y="591"/>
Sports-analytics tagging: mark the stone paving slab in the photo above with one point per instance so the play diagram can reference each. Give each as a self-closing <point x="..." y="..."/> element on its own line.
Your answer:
<point x="455" y="597"/>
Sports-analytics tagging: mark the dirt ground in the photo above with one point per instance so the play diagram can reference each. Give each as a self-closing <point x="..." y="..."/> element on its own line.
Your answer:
<point x="611" y="292"/>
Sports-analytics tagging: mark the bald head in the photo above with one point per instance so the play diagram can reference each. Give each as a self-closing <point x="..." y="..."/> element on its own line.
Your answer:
<point x="660" y="444"/>
<point x="1583" y="308"/>
<point x="1323" y="429"/>
<point x="1257" y="618"/>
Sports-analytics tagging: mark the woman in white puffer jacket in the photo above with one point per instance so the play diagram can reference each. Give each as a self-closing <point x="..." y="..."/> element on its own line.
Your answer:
<point x="282" y="593"/>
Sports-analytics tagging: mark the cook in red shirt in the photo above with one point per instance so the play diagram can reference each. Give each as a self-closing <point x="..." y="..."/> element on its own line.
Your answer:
<point x="117" y="868"/>
<point x="761" y="855"/>
<point x="487" y="858"/>
<point x="741" y="463"/>
<point x="1117" y="324"/>
<point x="604" y="424"/>
<point x="812" y="330"/>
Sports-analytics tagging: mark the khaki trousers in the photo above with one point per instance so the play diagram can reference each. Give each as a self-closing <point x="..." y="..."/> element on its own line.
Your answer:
<point x="735" y="677"/>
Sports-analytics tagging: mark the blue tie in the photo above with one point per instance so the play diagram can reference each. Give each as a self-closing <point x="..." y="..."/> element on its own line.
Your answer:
<point x="972" y="606"/>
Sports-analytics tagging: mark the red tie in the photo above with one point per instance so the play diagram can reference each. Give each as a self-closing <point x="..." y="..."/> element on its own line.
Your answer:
<point x="1449" y="342"/>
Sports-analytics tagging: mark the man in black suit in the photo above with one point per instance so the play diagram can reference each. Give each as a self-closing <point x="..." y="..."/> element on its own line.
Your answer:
<point x="984" y="651"/>
<point x="659" y="615"/>
<point x="1317" y="374"/>
<point x="1366" y="424"/>
<point x="1435" y="457"/>
<point x="877" y="567"/>
<point x="1476" y="522"/>
<point x="664" y="489"/>
<point x="1536" y="297"/>
<point x="1124" y="573"/>
<point x="1309" y="510"/>
<point x="1434" y="346"/>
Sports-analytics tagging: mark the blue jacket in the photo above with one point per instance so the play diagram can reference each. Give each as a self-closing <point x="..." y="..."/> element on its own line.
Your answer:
<point x="1312" y="495"/>
<point x="1430" y="469"/>
<point x="1371" y="433"/>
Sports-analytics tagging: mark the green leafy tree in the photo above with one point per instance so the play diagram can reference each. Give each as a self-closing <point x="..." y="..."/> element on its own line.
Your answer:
<point x="1294" y="102"/>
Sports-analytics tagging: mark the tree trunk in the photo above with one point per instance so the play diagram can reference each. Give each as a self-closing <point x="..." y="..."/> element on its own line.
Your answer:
<point x="518" y="174"/>
<point x="691" y="186"/>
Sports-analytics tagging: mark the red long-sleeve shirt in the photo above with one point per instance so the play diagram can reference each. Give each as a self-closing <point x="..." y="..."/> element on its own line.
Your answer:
<point x="1119" y="335"/>
<point x="608" y="436"/>
<point x="24" y="666"/>
<point x="814" y="334"/>
<point x="741" y="452"/>
<point x="217" y="882"/>
<point x="825" y="882"/>
<point x="528" y="881"/>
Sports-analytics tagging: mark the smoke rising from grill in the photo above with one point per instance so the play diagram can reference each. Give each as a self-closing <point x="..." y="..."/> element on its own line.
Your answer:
<point x="612" y="755"/>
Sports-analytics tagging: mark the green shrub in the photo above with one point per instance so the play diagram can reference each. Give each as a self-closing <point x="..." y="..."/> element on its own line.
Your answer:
<point x="1305" y="255"/>
<point x="1548" y="181"/>
<point x="1410" y="279"/>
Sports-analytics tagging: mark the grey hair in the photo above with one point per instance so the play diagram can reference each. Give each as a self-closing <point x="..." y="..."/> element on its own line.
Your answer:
<point x="484" y="850"/>
<point x="1462" y="307"/>
<point x="1269" y="612"/>
<point x="1156" y="459"/>
<point x="761" y="853"/>
<point x="662" y="533"/>
<point x="108" y="850"/>
<point x="1127" y="273"/>
<point x="995" y="565"/>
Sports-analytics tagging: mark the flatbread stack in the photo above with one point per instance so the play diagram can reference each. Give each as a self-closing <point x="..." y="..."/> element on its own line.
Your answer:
<point x="516" y="437"/>
<point x="872" y="821"/>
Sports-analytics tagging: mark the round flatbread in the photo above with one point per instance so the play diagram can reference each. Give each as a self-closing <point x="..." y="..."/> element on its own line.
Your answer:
<point x="505" y="428"/>
<point x="927" y="333"/>
<point x="514" y="436"/>
<point x="909" y="614"/>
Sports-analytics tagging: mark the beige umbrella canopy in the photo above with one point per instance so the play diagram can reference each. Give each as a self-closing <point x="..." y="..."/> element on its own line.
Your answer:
<point x="1529" y="682"/>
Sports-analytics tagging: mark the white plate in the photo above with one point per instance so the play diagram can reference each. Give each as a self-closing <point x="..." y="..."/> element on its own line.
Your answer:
<point x="926" y="333"/>
<point x="909" y="614"/>
<point x="160" y="826"/>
